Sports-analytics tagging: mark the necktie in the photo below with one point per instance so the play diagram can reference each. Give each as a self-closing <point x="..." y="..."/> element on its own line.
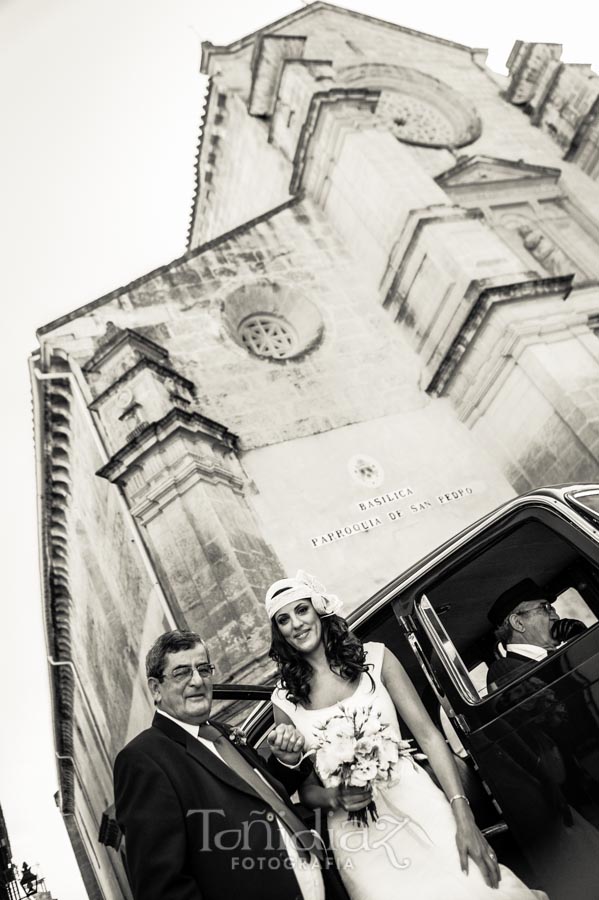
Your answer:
<point x="304" y="839"/>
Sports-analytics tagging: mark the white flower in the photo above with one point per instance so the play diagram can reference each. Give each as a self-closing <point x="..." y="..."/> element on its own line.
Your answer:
<point x="347" y="750"/>
<point x="371" y="726"/>
<point x="327" y="762"/>
<point x="365" y="745"/>
<point x="357" y="748"/>
<point x="363" y="773"/>
<point x="341" y="728"/>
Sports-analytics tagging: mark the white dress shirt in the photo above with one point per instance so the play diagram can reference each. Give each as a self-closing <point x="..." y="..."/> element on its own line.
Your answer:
<point x="532" y="651"/>
<point x="307" y="872"/>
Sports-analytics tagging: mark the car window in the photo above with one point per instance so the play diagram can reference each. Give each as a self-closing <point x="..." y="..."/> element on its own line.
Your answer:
<point x="586" y="502"/>
<point x="571" y="605"/>
<point x="462" y="596"/>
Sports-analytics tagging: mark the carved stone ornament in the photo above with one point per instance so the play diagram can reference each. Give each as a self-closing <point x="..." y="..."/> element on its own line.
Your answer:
<point x="544" y="251"/>
<point x="366" y="470"/>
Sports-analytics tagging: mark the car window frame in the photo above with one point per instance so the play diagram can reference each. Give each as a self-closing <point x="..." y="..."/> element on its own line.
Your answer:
<point x="550" y="512"/>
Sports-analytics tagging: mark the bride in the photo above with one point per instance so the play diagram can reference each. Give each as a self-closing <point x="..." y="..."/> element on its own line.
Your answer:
<point x="425" y="843"/>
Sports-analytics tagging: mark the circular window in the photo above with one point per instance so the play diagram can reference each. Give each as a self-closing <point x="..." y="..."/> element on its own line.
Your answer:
<point x="426" y="121"/>
<point x="417" y="108"/>
<point x="265" y="334"/>
<point x="416" y="122"/>
<point x="272" y="322"/>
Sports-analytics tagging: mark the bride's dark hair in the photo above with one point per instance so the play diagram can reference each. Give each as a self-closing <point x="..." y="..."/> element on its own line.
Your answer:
<point x="344" y="651"/>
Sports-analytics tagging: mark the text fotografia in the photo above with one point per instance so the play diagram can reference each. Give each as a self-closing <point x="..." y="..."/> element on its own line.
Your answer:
<point x="241" y="840"/>
<point x="394" y="515"/>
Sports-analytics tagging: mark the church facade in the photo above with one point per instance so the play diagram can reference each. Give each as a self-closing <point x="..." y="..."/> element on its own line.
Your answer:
<point x="385" y="325"/>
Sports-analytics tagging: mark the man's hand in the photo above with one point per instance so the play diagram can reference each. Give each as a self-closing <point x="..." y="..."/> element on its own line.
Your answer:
<point x="286" y="744"/>
<point x="565" y="629"/>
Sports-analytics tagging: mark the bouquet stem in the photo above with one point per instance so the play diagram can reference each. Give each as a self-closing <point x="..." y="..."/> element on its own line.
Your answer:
<point x="360" y="816"/>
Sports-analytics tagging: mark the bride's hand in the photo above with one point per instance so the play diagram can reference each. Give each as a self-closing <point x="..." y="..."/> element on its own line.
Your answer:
<point x="286" y="743"/>
<point x="472" y="843"/>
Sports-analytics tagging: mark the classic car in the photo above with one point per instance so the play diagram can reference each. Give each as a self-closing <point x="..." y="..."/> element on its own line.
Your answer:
<point x="529" y="751"/>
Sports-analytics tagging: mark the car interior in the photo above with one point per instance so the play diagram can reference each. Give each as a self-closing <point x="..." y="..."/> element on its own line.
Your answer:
<point x="532" y="549"/>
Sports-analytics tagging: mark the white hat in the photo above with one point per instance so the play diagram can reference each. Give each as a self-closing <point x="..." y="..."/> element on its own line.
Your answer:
<point x="302" y="587"/>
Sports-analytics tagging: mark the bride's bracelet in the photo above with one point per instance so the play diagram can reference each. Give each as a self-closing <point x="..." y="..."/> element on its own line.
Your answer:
<point x="459" y="797"/>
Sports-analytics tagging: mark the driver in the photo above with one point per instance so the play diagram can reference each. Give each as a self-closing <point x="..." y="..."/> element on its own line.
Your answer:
<point x="528" y="627"/>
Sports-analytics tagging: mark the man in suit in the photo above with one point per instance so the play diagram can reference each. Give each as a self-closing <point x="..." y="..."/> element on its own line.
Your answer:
<point x="204" y="819"/>
<point x="528" y="627"/>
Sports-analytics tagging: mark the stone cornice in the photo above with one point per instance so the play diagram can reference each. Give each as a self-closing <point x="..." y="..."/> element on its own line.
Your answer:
<point x="548" y="90"/>
<point x="522" y="172"/>
<point x="164" y="270"/>
<point x="315" y="67"/>
<point x="266" y="72"/>
<point x="163" y="371"/>
<point x="419" y="219"/>
<point x="122" y="336"/>
<point x="517" y="337"/>
<point x="487" y="298"/>
<point x="321" y="100"/>
<point x="179" y="482"/>
<point x="157" y="432"/>
<point x="582" y="130"/>
<point x="521" y="66"/>
<point x="52" y="426"/>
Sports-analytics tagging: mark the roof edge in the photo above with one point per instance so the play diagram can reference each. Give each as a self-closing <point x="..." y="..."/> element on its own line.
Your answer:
<point x="197" y="183"/>
<point x="160" y="270"/>
<point x="209" y="49"/>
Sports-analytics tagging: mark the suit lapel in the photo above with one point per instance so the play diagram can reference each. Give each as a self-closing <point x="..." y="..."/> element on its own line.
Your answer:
<point x="266" y="773"/>
<point x="255" y="761"/>
<point x="216" y="766"/>
<point x="511" y="654"/>
<point x="206" y="758"/>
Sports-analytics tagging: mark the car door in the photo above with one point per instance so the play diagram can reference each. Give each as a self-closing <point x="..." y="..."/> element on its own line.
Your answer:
<point x="534" y="741"/>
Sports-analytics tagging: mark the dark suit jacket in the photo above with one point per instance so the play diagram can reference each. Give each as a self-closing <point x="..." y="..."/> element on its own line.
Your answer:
<point x="194" y="830"/>
<point x="508" y="667"/>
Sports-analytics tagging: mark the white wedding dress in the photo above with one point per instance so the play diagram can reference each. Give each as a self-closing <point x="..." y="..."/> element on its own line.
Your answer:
<point x="410" y="852"/>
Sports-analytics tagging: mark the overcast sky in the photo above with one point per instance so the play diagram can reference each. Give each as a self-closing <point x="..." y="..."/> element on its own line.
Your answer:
<point x="100" y="103"/>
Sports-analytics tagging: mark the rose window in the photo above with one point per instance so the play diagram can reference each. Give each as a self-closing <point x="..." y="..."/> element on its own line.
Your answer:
<point x="265" y="334"/>
<point x="416" y="121"/>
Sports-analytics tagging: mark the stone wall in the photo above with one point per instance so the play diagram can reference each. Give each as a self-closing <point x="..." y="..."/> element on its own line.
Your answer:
<point x="355" y="392"/>
<point x="359" y="369"/>
<point x="97" y="642"/>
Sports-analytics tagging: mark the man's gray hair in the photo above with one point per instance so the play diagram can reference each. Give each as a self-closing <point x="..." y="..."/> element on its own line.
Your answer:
<point x="169" y="642"/>
<point x="504" y="632"/>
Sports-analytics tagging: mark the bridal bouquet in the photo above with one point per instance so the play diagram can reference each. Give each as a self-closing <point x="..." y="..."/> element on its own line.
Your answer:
<point x="356" y="749"/>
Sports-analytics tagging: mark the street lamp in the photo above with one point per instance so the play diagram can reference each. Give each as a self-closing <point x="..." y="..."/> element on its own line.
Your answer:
<point x="28" y="881"/>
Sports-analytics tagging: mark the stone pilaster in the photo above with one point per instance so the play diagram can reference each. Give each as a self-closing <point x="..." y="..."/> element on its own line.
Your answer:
<point x="184" y="484"/>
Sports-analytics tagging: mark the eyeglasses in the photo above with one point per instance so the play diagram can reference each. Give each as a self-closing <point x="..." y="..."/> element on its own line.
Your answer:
<point x="185" y="673"/>
<point x="545" y="606"/>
